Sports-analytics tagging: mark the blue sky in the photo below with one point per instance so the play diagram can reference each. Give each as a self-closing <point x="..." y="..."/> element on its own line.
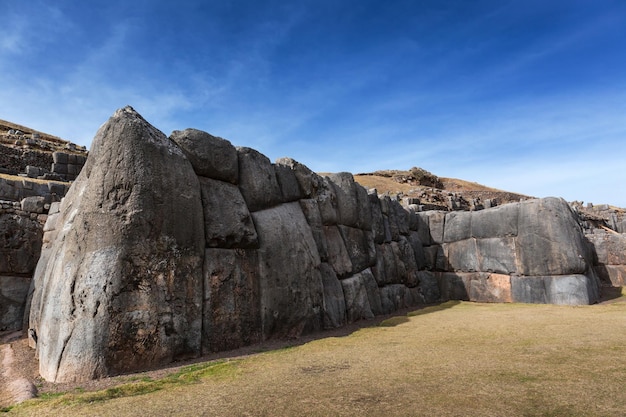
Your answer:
<point x="527" y="96"/>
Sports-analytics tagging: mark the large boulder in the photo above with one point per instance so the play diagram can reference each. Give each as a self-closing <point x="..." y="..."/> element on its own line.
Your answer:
<point x="209" y="155"/>
<point x="125" y="267"/>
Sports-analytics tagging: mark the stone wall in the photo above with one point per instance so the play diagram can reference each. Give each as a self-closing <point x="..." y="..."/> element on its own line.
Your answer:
<point x="171" y="247"/>
<point x="609" y="251"/>
<point x="21" y="230"/>
<point x="532" y="252"/>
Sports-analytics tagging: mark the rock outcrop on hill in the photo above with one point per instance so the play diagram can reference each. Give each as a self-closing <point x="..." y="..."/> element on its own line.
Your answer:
<point x="169" y="247"/>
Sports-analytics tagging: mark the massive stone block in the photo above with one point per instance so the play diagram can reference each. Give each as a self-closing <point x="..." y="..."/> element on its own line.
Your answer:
<point x="338" y="256"/>
<point x="209" y="155"/>
<point x="120" y="288"/>
<point x="347" y="200"/>
<point x="232" y="309"/>
<point x="549" y="240"/>
<point x="357" y="302"/>
<point x="227" y="221"/>
<point x="289" y="272"/>
<point x="575" y="289"/>
<point x="334" y="306"/>
<point x="257" y="180"/>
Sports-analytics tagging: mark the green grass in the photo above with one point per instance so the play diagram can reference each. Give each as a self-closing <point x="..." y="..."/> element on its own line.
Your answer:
<point x="137" y="386"/>
<point x="457" y="359"/>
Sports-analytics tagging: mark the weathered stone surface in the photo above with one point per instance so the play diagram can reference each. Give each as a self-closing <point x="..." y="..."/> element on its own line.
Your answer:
<point x="20" y="244"/>
<point x="378" y="227"/>
<point x="395" y="297"/>
<point x="458" y="226"/>
<point x="454" y="285"/>
<point x="210" y="156"/>
<point x="436" y="223"/>
<point x="575" y="289"/>
<point x="13" y="292"/>
<point x="338" y="256"/>
<point x="364" y="211"/>
<point x="227" y="221"/>
<point x="309" y="181"/>
<point x="387" y="263"/>
<point x="334" y="304"/>
<point x="501" y="221"/>
<point x="423" y="228"/>
<point x="122" y="301"/>
<point x="327" y="200"/>
<point x="550" y="241"/>
<point x="418" y="250"/>
<point x="347" y="199"/>
<point x="402" y="218"/>
<point x="288" y="183"/>
<point x="257" y="180"/>
<point x="310" y="208"/>
<point x="405" y="262"/>
<point x="428" y="287"/>
<point x="490" y="288"/>
<point x="360" y="247"/>
<point x="290" y="278"/>
<point x="611" y="275"/>
<point x="357" y="302"/>
<point x="33" y="204"/>
<point x="232" y="311"/>
<point x="462" y="256"/>
<point x="373" y="293"/>
<point x="497" y="254"/>
<point x="390" y="219"/>
<point x="609" y="248"/>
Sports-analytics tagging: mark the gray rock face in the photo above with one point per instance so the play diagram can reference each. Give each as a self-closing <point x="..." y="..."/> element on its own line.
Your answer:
<point x="13" y="292"/>
<point x="165" y="248"/>
<point x="20" y="244"/>
<point x="209" y="155"/>
<point x="257" y="180"/>
<point x="550" y="240"/>
<point x="227" y="221"/>
<point x="125" y="269"/>
<point x="231" y="299"/>
<point x="289" y="272"/>
<point x="609" y="258"/>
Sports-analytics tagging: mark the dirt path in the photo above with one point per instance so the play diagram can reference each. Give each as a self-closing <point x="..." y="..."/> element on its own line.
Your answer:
<point x="17" y="371"/>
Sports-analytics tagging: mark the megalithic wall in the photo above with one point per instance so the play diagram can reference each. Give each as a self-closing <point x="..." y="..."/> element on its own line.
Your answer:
<point x="170" y="247"/>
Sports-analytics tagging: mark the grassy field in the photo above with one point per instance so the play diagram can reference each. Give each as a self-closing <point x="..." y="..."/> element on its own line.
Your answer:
<point x="457" y="359"/>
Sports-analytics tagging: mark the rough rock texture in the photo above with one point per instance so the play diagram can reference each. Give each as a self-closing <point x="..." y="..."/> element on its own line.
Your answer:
<point x="20" y="247"/>
<point x="121" y="286"/>
<point x="538" y="244"/>
<point x="609" y="257"/>
<point x="159" y="250"/>
<point x="20" y="244"/>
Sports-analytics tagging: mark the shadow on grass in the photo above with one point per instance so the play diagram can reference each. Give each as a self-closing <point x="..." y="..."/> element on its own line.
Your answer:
<point x="432" y="308"/>
<point x="189" y="371"/>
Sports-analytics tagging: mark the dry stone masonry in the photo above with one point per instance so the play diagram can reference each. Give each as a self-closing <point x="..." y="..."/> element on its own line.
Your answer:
<point x="166" y="248"/>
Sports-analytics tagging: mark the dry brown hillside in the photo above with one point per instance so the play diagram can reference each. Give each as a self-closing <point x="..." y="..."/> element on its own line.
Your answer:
<point x="434" y="192"/>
